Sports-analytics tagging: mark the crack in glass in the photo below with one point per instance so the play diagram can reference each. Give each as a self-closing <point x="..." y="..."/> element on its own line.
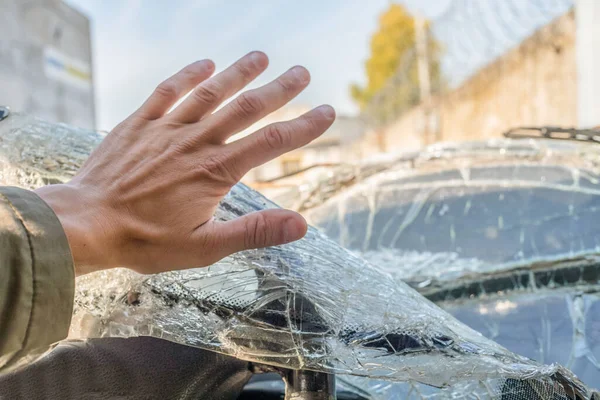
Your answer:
<point x="310" y="304"/>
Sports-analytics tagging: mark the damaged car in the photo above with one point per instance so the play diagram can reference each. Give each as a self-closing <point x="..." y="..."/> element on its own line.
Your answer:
<point x="312" y="319"/>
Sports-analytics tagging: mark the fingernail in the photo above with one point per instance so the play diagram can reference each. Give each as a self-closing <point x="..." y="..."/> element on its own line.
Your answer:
<point x="259" y="58"/>
<point x="209" y="64"/>
<point x="292" y="230"/>
<point x="201" y="67"/>
<point x="300" y="74"/>
<point x="327" y="111"/>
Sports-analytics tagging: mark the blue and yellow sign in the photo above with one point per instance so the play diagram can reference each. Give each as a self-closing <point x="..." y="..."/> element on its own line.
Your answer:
<point x="65" y="69"/>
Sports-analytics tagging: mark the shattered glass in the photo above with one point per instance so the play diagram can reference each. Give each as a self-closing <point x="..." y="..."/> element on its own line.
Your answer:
<point x="495" y="208"/>
<point x="549" y="327"/>
<point x="501" y="234"/>
<point x="307" y="305"/>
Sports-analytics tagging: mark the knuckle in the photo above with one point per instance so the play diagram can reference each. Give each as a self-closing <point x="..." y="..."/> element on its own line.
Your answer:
<point x="244" y="70"/>
<point x="219" y="169"/>
<point x="276" y="137"/>
<point x="311" y="124"/>
<point x="249" y="104"/>
<point x="285" y="84"/>
<point x="257" y="231"/>
<point x="209" y="93"/>
<point x="189" y="76"/>
<point x="167" y="90"/>
<point x="307" y="129"/>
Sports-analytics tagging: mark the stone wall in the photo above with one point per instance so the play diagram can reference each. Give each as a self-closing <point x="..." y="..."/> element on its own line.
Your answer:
<point x="46" y="61"/>
<point x="533" y="84"/>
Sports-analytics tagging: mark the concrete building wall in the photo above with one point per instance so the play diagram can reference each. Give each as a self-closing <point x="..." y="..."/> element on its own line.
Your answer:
<point x="407" y="133"/>
<point x="46" y="61"/>
<point x="533" y="84"/>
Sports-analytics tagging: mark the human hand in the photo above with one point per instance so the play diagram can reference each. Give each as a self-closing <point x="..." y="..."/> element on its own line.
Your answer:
<point x="146" y="196"/>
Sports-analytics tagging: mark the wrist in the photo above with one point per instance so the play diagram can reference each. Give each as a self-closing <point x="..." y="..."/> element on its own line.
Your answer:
<point x="81" y="226"/>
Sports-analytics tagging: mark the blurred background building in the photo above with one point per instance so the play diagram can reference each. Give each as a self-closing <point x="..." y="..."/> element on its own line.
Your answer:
<point x="46" y="61"/>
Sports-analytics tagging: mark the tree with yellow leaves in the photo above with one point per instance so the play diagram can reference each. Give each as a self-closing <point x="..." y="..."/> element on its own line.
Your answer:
<point x="392" y="73"/>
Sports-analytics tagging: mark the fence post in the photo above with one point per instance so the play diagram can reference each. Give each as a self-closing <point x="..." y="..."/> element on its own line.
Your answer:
<point x="587" y="20"/>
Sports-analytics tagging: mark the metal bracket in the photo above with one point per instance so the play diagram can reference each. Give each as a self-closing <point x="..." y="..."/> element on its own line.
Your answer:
<point x="309" y="385"/>
<point x="554" y="132"/>
<point x="4" y="112"/>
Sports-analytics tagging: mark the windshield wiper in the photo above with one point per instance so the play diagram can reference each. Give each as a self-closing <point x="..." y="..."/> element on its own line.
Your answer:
<point x="583" y="272"/>
<point x="553" y="132"/>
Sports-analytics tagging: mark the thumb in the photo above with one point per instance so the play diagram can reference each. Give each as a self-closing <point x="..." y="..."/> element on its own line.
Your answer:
<point x="259" y="229"/>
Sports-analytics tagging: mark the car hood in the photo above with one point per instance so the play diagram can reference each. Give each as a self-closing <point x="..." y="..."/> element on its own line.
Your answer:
<point x="310" y="304"/>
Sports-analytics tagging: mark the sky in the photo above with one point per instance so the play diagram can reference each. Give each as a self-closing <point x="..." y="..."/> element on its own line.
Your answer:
<point x="138" y="43"/>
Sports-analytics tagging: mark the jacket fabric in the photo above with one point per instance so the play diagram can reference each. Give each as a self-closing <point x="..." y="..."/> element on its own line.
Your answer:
<point x="37" y="279"/>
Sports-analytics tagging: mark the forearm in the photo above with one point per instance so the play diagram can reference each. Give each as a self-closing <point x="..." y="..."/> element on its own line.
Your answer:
<point x="36" y="276"/>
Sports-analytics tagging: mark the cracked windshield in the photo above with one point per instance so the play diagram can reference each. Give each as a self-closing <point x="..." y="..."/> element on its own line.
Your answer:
<point x="300" y="200"/>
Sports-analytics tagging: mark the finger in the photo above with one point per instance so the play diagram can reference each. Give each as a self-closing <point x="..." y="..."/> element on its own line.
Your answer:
<point x="253" y="105"/>
<point x="210" y="94"/>
<point x="168" y="92"/>
<point x="279" y="138"/>
<point x="256" y="230"/>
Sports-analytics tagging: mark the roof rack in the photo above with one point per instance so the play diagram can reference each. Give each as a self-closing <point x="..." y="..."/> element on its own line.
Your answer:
<point x="554" y="132"/>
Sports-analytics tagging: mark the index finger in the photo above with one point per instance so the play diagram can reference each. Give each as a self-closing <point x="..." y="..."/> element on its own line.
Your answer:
<point x="281" y="137"/>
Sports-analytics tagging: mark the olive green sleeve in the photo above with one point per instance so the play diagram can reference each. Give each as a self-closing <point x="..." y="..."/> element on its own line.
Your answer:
<point x="36" y="276"/>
